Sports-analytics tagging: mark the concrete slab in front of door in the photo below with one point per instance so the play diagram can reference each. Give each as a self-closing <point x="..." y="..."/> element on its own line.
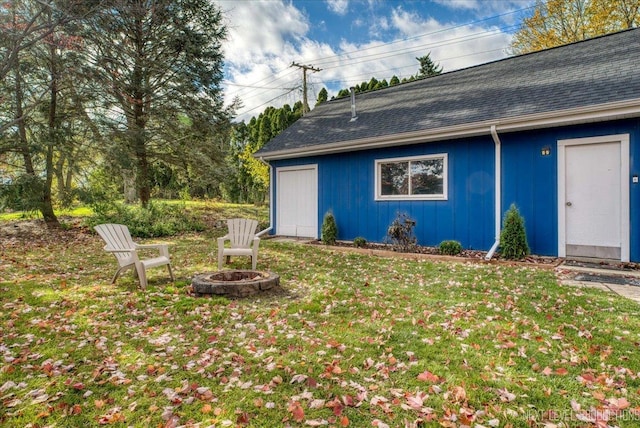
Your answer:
<point x="620" y="278"/>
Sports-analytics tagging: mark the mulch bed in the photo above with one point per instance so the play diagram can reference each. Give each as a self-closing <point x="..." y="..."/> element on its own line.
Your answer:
<point x="471" y="255"/>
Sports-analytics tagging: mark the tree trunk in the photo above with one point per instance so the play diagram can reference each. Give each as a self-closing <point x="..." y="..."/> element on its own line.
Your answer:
<point x="47" y="203"/>
<point x="129" y="184"/>
<point x="144" y="191"/>
<point x="22" y="128"/>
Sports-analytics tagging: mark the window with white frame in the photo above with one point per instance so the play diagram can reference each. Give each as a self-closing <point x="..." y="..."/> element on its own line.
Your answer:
<point x="416" y="177"/>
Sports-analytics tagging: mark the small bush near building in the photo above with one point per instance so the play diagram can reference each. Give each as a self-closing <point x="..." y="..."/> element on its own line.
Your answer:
<point x="450" y="248"/>
<point x="329" y="229"/>
<point x="513" y="237"/>
<point x="359" y="242"/>
<point x="400" y="233"/>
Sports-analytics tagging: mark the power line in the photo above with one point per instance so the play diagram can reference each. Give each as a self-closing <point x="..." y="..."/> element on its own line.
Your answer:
<point x="442" y="30"/>
<point x="377" y="56"/>
<point x="267" y="102"/>
<point x="371" y="57"/>
<point x="471" y="37"/>
<point x="228" y="83"/>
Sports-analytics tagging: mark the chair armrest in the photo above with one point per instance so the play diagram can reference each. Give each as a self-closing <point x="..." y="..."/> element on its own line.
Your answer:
<point x="158" y="245"/>
<point x="222" y="239"/>
<point x="120" y="250"/>
<point x="163" y="248"/>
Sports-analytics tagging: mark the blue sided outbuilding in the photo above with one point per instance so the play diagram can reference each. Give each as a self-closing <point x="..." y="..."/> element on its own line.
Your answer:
<point x="555" y="132"/>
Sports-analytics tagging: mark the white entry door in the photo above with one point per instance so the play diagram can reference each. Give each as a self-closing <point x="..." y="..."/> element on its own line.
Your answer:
<point x="593" y="196"/>
<point x="297" y="201"/>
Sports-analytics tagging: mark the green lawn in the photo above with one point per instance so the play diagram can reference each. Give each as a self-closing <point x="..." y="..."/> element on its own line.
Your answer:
<point x="354" y="340"/>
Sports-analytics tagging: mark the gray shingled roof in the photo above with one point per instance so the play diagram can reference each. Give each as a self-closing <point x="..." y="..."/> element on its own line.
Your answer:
<point x="589" y="73"/>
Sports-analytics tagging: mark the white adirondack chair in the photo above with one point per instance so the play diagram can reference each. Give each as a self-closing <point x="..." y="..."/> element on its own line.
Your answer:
<point x="120" y="244"/>
<point x="243" y="239"/>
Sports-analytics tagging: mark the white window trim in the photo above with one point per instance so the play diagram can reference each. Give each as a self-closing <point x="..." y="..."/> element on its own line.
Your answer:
<point x="378" y="184"/>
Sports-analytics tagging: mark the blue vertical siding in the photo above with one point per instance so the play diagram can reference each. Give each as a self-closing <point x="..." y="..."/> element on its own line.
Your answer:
<point x="346" y="187"/>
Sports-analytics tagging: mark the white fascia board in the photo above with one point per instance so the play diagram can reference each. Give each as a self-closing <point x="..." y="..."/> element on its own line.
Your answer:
<point x="595" y="113"/>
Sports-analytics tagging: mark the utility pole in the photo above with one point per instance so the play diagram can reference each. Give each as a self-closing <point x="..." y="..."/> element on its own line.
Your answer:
<point x="305" y="104"/>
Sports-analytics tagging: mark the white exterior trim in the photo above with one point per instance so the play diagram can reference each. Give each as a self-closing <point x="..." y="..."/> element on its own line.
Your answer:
<point x="498" y="191"/>
<point x="445" y="173"/>
<point x="593" y="113"/>
<point x="624" y="191"/>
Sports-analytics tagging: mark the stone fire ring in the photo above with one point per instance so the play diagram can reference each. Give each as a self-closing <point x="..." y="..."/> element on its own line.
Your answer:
<point x="234" y="283"/>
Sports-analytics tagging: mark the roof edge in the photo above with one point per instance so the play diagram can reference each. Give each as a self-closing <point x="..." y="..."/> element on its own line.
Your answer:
<point x="594" y="113"/>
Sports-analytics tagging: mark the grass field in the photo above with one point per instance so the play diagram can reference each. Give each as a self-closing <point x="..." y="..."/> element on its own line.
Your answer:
<point x="352" y="340"/>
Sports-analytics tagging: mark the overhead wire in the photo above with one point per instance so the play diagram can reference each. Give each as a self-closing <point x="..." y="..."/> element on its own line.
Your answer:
<point x="425" y="34"/>
<point x="371" y="57"/>
<point x="358" y="78"/>
<point x="267" y="102"/>
<point x="418" y="48"/>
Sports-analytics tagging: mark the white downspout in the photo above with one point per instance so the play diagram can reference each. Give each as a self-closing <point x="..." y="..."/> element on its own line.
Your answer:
<point x="498" y="184"/>
<point x="268" y="229"/>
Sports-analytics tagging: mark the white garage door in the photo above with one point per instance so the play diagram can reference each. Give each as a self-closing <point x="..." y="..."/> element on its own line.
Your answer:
<point x="297" y="201"/>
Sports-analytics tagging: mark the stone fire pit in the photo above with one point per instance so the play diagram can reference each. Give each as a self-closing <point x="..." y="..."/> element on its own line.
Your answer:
<point x="234" y="283"/>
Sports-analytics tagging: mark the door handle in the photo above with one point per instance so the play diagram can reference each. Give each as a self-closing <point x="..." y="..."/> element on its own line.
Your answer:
<point x="569" y="204"/>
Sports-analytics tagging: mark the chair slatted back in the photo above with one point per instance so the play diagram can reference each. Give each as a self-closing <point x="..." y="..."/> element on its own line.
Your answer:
<point x="241" y="232"/>
<point x="117" y="237"/>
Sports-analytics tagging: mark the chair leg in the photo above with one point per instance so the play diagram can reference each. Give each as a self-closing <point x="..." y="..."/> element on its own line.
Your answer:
<point x="171" y="272"/>
<point x="254" y="258"/>
<point x="220" y="257"/>
<point x="142" y="275"/>
<point x="113" y="280"/>
<point x="118" y="272"/>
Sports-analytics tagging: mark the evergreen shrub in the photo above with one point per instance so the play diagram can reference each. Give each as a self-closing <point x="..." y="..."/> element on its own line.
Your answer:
<point x="329" y="229"/>
<point x="513" y="237"/>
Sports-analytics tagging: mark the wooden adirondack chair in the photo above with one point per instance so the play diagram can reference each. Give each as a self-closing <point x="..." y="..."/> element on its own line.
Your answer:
<point x="120" y="244"/>
<point x="243" y="239"/>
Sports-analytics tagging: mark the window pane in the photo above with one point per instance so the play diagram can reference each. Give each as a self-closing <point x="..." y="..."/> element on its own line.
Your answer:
<point x="395" y="178"/>
<point x="427" y="177"/>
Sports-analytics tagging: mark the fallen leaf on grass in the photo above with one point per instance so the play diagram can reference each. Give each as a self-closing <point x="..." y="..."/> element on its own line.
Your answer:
<point x="296" y="411"/>
<point x="427" y="376"/>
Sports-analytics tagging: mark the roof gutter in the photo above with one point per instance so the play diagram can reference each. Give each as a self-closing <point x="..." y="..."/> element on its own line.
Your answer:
<point x="595" y="113"/>
<point x="498" y="190"/>
<point x="268" y="229"/>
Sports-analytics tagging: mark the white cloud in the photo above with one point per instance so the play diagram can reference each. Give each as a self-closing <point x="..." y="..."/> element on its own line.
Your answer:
<point x="260" y="29"/>
<point x="459" y="4"/>
<point x="266" y="37"/>
<point x="451" y="46"/>
<point x="487" y="8"/>
<point x="339" y="7"/>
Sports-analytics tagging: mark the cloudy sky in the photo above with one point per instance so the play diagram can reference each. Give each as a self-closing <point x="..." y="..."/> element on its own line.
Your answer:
<point x="351" y="41"/>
